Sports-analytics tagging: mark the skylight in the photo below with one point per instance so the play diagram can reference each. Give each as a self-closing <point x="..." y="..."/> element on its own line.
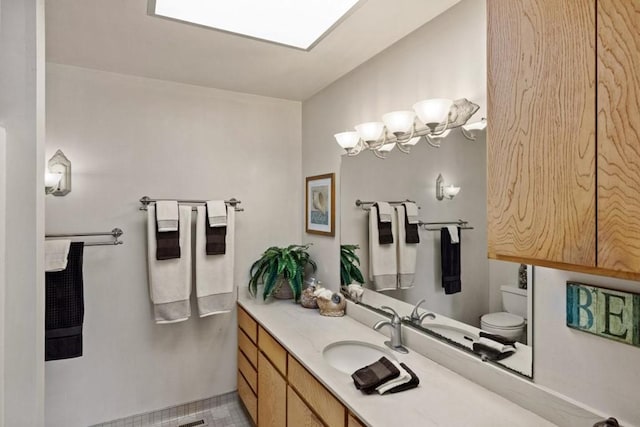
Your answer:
<point x="296" y="23"/>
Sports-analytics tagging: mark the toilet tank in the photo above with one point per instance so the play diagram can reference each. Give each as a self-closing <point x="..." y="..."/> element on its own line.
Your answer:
<point x="514" y="300"/>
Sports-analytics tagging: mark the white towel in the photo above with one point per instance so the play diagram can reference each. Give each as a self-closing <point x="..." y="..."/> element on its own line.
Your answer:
<point x="170" y="280"/>
<point x="214" y="273"/>
<point x="167" y="215"/>
<point x="403" y="378"/>
<point x="217" y="211"/>
<point x="383" y="267"/>
<point x="386" y="211"/>
<point x="412" y="212"/>
<point x="55" y="254"/>
<point x="453" y="232"/>
<point x="407" y="254"/>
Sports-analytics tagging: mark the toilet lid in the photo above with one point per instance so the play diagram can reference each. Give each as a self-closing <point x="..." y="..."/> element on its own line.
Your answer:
<point x="503" y="320"/>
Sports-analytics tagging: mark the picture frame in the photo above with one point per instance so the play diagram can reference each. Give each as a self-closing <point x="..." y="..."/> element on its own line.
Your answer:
<point x="320" y="210"/>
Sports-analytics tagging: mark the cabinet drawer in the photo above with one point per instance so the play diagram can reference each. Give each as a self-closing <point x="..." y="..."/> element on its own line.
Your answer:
<point x="298" y="413"/>
<point x="248" y="348"/>
<point x="274" y="351"/>
<point x="248" y="325"/>
<point x="248" y="371"/>
<point x="323" y="403"/>
<point x="272" y="395"/>
<point x="352" y="421"/>
<point x="249" y="399"/>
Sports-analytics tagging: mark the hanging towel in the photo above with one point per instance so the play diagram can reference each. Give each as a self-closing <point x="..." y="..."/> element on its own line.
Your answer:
<point x="383" y="267"/>
<point x="412" y="212"/>
<point x="385" y="211"/>
<point x="55" y="254"/>
<point x="64" y="308"/>
<point x="216" y="236"/>
<point x="214" y="273"/>
<point x="167" y="215"/>
<point x="217" y="213"/>
<point x="454" y="234"/>
<point x="170" y="280"/>
<point x="167" y="242"/>
<point x="410" y="233"/>
<point x="451" y="262"/>
<point x="407" y="251"/>
<point x="385" y="230"/>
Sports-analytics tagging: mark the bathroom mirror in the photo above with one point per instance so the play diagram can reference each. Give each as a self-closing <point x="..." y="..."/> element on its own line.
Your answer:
<point x="485" y="284"/>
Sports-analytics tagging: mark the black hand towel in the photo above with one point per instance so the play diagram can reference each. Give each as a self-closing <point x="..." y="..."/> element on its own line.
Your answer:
<point x="411" y="230"/>
<point x="491" y="353"/>
<point x="64" y="308"/>
<point x="168" y="243"/>
<point x="450" y="262"/>
<point x="216" y="238"/>
<point x="371" y="376"/>
<point x="385" y="233"/>
<point x="413" y="383"/>
<point x="499" y="338"/>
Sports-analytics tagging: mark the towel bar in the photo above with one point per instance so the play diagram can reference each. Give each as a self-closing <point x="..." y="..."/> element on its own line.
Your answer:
<point x="146" y="201"/>
<point x="366" y="205"/>
<point x="436" y="226"/>
<point x="115" y="233"/>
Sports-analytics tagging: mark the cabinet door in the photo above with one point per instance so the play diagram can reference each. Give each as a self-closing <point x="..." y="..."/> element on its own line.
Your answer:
<point x="619" y="135"/>
<point x="272" y="395"/>
<point x="298" y="413"/>
<point x="541" y="132"/>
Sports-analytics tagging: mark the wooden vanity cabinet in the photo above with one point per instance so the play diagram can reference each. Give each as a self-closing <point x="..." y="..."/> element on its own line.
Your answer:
<point x="248" y="363"/>
<point x="564" y="187"/>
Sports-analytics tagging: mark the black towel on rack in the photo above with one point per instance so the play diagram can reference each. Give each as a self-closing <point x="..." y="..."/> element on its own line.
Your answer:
<point x="167" y="242"/>
<point x="216" y="238"/>
<point x="411" y="230"/>
<point x="385" y="232"/>
<point x="64" y="308"/>
<point x="451" y="263"/>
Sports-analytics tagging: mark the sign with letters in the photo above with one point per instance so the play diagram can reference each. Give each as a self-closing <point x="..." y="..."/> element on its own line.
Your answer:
<point x="604" y="312"/>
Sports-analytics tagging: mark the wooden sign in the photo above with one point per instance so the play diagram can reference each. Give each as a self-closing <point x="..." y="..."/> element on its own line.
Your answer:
<point x="604" y="312"/>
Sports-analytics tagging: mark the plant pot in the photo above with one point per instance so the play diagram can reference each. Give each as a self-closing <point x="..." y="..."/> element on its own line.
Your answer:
<point x="283" y="290"/>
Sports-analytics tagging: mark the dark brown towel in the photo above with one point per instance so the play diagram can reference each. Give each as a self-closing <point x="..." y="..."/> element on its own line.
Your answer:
<point x="167" y="243"/>
<point x="413" y="383"/>
<point x="411" y="230"/>
<point x="64" y="308"/>
<point x="451" y="281"/>
<point x="216" y="238"/>
<point x="370" y="377"/>
<point x="385" y="233"/>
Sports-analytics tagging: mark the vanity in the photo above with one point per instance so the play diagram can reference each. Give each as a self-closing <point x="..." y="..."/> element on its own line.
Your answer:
<point x="284" y="378"/>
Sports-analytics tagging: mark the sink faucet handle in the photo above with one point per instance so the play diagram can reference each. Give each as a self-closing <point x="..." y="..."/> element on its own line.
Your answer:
<point x="414" y="313"/>
<point x="396" y="318"/>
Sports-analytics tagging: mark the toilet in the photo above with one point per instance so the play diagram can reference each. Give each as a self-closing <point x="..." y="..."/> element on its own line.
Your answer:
<point x="512" y="322"/>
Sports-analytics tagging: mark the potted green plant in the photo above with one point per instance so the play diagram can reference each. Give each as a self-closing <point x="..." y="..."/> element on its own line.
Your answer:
<point x="349" y="262"/>
<point x="279" y="267"/>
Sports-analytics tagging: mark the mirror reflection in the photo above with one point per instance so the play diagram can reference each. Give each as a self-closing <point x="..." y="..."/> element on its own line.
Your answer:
<point x="437" y="263"/>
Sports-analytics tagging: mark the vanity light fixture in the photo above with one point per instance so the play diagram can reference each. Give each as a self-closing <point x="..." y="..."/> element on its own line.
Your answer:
<point x="442" y="191"/>
<point x="57" y="179"/>
<point x="435" y="119"/>
<point x="468" y="129"/>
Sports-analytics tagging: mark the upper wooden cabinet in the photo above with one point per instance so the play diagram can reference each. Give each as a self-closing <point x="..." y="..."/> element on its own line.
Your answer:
<point x="563" y="187"/>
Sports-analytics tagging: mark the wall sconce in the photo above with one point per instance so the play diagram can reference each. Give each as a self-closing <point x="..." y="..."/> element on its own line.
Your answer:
<point x="435" y="119"/>
<point x="442" y="191"/>
<point x="468" y="129"/>
<point x="57" y="180"/>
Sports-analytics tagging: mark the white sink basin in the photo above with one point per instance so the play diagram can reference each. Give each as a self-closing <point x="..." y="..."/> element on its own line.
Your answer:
<point x="349" y="356"/>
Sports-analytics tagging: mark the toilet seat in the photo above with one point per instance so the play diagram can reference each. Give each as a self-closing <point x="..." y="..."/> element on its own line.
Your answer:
<point x="503" y="320"/>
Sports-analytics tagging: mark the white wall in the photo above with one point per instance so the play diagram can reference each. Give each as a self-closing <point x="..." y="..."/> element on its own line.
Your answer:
<point x="128" y="137"/>
<point x="3" y="207"/>
<point x="411" y="70"/>
<point x="22" y="115"/>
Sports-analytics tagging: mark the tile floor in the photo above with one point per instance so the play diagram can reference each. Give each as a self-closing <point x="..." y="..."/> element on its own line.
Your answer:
<point x="229" y="414"/>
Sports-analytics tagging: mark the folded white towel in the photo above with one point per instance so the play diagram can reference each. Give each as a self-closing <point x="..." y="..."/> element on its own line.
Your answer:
<point x="403" y="378"/>
<point x="453" y="232"/>
<point x="383" y="267"/>
<point x="214" y="273"/>
<point x="412" y="212"/>
<point x="170" y="280"/>
<point x="55" y="254"/>
<point x="386" y="211"/>
<point x="217" y="211"/>
<point x="496" y="345"/>
<point x="167" y="215"/>
<point x="407" y="254"/>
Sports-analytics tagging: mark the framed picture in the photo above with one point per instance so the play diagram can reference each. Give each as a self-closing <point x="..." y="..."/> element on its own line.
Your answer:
<point x="320" y="205"/>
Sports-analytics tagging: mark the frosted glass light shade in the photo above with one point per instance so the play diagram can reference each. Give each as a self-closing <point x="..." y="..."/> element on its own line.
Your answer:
<point x="347" y="140"/>
<point x="450" y="191"/>
<point x="399" y="122"/>
<point x="52" y="179"/>
<point x="433" y="111"/>
<point x="479" y="125"/>
<point x="370" y="131"/>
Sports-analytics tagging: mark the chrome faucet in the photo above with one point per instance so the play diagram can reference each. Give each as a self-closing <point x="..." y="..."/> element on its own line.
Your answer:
<point x="396" y="331"/>
<point x="416" y="318"/>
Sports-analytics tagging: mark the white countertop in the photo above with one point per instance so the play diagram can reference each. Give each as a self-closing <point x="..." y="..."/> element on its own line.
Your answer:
<point x="443" y="398"/>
